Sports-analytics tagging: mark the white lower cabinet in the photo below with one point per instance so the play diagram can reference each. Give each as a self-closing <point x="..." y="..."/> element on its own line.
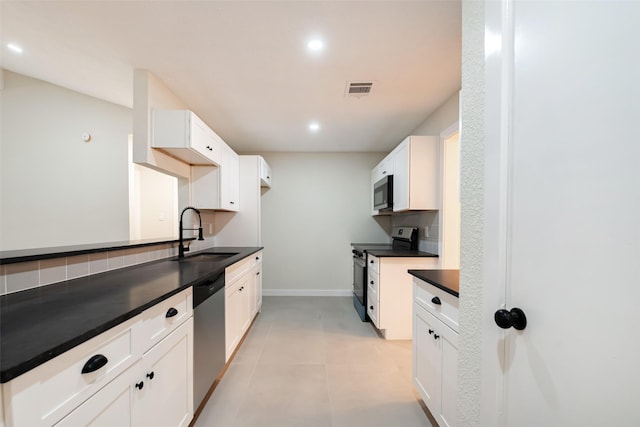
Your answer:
<point x="163" y="393"/>
<point x="111" y="406"/>
<point x="435" y="359"/>
<point x="243" y="299"/>
<point x="389" y="298"/>
<point x="138" y="373"/>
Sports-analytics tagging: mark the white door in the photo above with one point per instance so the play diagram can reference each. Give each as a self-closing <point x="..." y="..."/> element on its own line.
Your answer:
<point x="562" y="198"/>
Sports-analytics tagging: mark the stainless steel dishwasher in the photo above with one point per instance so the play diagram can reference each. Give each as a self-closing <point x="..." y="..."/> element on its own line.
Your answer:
<point x="208" y="335"/>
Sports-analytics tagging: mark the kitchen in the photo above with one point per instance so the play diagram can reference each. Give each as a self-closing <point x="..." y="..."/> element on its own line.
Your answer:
<point x="289" y="253"/>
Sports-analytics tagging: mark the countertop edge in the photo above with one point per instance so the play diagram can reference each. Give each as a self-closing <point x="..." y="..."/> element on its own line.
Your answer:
<point x="417" y="274"/>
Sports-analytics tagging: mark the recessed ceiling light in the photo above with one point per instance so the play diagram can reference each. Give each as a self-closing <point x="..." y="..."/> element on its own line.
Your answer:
<point x="14" y="48"/>
<point x="314" y="126"/>
<point x="315" y="45"/>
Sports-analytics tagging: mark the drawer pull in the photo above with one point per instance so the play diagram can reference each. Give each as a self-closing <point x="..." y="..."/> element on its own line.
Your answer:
<point x="140" y="385"/>
<point x="370" y="307"/>
<point x="430" y="331"/>
<point x="150" y="375"/>
<point x="436" y="336"/>
<point x="372" y="282"/>
<point x="258" y="273"/>
<point x="96" y="362"/>
<point x="171" y="312"/>
<point x="436" y="300"/>
<point x="257" y="258"/>
<point x="371" y="262"/>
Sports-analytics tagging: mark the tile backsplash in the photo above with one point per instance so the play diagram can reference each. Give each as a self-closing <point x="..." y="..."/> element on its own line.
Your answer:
<point x="32" y="274"/>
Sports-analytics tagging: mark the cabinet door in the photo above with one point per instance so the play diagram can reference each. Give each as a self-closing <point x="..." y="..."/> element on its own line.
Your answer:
<point x="217" y="187"/>
<point x="230" y="181"/>
<point x="265" y="173"/>
<point x="109" y="407"/>
<point x="401" y="176"/>
<point x="233" y="318"/>
<point x="426" y="358"/>
<point x="448" y="391"/>
<point x="164" y="388"/>
<point x="258" y="290"/>
<point x="185" y="136"/>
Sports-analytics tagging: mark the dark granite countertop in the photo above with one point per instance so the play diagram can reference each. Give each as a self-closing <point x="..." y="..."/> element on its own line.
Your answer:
<point x="22" y="255"/>
<point x="447" y="280"/>
<point x="385" y="250"/>
<point x="39" y="324"/>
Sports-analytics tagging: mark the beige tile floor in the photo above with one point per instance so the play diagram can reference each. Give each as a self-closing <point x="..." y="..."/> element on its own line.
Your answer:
<point x="311" y="362"/>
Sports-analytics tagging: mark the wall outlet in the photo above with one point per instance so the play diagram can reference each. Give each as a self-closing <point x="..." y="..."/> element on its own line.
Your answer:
<point x="425" y="232"/>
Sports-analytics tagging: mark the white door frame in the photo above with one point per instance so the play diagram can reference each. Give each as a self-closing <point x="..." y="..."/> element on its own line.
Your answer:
<point x="444" y="135"/>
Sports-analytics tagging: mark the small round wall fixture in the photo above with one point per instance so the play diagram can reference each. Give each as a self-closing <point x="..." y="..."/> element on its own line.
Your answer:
<point x="86" y="137"/>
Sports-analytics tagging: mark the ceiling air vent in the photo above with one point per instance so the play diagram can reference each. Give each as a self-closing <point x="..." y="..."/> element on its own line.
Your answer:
<point x="359" y="88"/>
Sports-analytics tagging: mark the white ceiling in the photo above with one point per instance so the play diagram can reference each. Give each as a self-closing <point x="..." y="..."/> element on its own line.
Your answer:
<point x="244" y="68"/>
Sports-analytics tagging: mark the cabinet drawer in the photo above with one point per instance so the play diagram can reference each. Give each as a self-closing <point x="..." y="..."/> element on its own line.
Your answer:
<point x="427" y="295"/>
<point x="372" y="306"/>
<point x="42" y="396"/>
<point x="160" y="320"/>
<point x="234" y="271"/>
<point x="373" y="263"/>
<point x="373" y="279"/>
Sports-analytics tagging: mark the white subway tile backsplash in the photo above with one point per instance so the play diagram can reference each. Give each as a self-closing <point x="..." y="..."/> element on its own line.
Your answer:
<point x="143" y="254"/>
<point x="115" y="259"/>
<point x="130" y="257"/>
<point x="160" y="252"/>
<point x="3" y="281"/>
<point x="77" y="266"/>
<point x="98" y="262"/>
<point x="53" y="271"/>
<point x="25" y="275"/>
<point x="21" y="276"/>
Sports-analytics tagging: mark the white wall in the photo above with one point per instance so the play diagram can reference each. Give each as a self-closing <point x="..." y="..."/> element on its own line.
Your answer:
<point x="443" y="117"/>
<point x="156" y="200"/>
<point x="472" y="208"/>
<point x="56" y="189"/>
<point x="318" y="205"/>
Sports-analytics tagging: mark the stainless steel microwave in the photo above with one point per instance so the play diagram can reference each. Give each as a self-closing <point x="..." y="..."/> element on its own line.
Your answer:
<point x="383" y="194"/>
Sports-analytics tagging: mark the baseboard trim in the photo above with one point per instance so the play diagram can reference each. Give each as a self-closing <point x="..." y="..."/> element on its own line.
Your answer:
<point x="306" y="293"/>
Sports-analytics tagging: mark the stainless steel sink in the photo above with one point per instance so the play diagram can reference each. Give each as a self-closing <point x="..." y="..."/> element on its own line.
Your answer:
<point x="207" y="257"/>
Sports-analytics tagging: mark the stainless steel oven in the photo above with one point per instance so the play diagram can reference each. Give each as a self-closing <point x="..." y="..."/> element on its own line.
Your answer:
<point x="359" y="283"/>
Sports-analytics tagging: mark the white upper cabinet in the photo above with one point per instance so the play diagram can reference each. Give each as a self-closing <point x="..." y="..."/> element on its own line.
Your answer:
<point x="265" y="174"/>
<point x="185" y="136"/>
<point x="217" y="187"/>
<point x="415" y="174"/>
<point x="382" y="169"/>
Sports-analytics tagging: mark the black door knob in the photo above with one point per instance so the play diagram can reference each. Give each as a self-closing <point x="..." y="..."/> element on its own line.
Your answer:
<point x="515" y="317"/>
<point x="140" y="385"/>
<point x="171" y="312"/>
<point x="150" y="375"/>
